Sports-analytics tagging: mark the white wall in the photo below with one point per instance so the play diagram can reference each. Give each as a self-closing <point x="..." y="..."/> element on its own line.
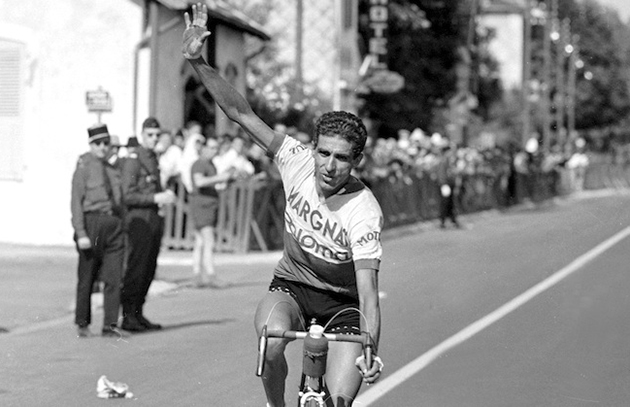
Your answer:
<point x="73" y="46"/>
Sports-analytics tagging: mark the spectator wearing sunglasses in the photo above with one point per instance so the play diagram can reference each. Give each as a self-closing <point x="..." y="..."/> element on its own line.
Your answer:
<point x="143" y="196"/>
<point x="98" y="232"/>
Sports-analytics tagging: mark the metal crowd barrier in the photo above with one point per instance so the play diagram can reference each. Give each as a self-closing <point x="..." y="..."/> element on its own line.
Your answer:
<point x="249" y="218"/>
<point x="416" y="198"/>
<point x="251" y="211"/>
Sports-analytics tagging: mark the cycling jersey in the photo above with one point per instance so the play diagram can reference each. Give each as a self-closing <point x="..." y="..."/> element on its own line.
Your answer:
<point x="325" y="240"/>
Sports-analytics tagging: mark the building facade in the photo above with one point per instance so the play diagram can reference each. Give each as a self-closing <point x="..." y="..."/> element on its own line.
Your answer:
<point x="51" y="55"/>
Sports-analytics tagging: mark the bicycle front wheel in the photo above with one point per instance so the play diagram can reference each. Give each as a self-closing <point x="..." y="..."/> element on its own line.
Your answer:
<point x="314" y="402"/>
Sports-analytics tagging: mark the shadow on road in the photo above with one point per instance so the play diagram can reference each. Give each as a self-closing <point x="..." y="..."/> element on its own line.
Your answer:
<point x="228" y="285"/>
<point x="195" y="323"/>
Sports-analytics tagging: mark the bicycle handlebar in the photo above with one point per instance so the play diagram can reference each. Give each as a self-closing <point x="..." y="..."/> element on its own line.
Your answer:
<point x="364" y="339"/>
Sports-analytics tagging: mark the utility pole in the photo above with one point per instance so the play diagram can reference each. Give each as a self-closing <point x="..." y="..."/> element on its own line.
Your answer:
<point x="154" y="46"/>
<point x="546" y="85"/>
<point x="348" y="72"/>
<point x="574" y="57"/>
<point x="470" y="87"/>
<point x="562" y="43"/>
<point x="299" y="53"/>
<point x="527" y="70"/>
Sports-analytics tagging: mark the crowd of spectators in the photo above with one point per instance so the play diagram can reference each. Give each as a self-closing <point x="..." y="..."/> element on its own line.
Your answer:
<point x="178" y="150"/>
<point x="418" y="154"/>
<point x="413" y="154"/>
<point x="509" y="173"/>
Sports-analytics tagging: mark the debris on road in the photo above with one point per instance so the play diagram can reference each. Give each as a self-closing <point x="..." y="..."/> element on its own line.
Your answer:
<point x="106" y="389"/>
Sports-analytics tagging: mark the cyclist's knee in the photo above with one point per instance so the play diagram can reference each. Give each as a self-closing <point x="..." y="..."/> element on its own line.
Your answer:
<point x="278" y="311"/>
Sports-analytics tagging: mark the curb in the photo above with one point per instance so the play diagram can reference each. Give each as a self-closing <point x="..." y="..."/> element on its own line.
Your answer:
<point x="220" y="259"/>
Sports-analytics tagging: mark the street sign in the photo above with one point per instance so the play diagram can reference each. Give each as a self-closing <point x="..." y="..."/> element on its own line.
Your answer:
<point x="384" y="81"/>
<point x="98" y="101"/>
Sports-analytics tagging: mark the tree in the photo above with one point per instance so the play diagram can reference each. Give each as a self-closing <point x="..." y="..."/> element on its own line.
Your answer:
<point x="425" y="57"/>
<point x="604" y="94"/>
<point x="429" y="57"/>
<point x="270" y="80"/>
<point x="602" y="80"/>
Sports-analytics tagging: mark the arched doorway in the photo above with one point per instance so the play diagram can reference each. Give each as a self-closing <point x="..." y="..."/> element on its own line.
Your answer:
<point x="198" y="104"/>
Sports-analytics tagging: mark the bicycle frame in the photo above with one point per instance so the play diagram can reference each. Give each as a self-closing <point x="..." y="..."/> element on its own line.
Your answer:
<point x="315" y="351"/>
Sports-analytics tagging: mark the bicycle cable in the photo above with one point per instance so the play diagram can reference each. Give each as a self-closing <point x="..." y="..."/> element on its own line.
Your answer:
<point x="367" y="325"/>
<point x="299" y="314"/>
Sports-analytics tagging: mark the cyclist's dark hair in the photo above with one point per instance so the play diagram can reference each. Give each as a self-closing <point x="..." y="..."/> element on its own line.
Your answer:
<point x="343" y="124"/>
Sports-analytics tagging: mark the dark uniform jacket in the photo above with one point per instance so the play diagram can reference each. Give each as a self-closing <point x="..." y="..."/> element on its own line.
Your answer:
<point x="90" y="191"/>
<point x="445" y="171"/>
<point x="141" y="179"/>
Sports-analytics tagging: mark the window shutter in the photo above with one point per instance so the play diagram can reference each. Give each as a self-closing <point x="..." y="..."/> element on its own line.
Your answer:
<point x="11" y="109"/>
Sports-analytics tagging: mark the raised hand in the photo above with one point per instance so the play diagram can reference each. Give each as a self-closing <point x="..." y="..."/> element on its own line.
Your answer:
<point x="196" y="31"/>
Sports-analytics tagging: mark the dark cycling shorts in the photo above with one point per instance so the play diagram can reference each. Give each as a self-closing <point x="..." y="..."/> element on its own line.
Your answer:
<point x="322" y="305"/>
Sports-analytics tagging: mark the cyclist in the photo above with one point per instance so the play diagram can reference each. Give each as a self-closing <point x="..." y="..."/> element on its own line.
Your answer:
<point x="332" y="233"/>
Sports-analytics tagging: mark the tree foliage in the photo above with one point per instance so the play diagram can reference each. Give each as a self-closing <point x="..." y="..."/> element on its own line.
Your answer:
<point x="425" y="39"/>
<point x="603" y="84"/>
<point x="424" y="56"/>
<point x="427" y="58"/>
<point x="271" y="85"/>
<point x="431" y="57"/>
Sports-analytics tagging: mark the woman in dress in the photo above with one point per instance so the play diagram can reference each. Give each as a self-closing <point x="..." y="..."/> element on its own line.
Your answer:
<point x="204" y="203"/>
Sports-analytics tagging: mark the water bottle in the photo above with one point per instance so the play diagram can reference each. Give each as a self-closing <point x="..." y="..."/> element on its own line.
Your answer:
<point x="315" y="352"/>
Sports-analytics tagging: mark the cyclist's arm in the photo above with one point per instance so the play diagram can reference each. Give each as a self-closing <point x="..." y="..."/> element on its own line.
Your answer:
<point x="233" y="103"/>
<point x="229" y="100"/>
<point x="367" y="286"/>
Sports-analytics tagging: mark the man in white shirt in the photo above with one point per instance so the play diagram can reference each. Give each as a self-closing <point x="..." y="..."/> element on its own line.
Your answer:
<point x="170" y="156"/>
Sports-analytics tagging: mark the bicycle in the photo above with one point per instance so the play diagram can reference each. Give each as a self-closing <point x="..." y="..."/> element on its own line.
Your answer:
<point x="312" y="390"/>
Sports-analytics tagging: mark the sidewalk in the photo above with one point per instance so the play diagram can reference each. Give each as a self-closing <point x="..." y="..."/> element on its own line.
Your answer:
<point x="39" y="282"/>
<point x="173" y="265"/>
<point x="166" y="258"/>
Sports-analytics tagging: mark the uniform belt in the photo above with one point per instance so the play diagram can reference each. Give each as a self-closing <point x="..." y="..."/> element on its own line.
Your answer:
<point x="153" y="208"/>
<point x="109" y="212"/>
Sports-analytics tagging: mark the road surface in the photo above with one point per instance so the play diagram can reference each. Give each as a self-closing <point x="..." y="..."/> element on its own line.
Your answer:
<point x="522" y="308"/>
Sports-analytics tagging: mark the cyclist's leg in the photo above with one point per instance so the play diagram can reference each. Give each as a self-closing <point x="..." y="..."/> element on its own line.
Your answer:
<point x="342" y="376"/>
<point x="277" y="310"/>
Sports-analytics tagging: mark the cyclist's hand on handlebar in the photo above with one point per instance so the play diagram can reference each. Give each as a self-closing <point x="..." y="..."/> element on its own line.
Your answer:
<point x="370" y="375"/>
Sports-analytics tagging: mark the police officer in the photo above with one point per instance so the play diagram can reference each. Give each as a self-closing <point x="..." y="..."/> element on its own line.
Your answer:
<point x="142" y="195"/>
<point x="98" y="232"/>
<point x="448" y="183"/>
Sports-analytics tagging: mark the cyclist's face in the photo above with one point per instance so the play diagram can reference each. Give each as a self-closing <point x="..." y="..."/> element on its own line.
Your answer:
<point x="333" y="163"/>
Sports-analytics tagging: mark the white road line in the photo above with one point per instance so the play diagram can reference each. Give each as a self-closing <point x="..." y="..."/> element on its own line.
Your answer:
<point x="407" y="371"/>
